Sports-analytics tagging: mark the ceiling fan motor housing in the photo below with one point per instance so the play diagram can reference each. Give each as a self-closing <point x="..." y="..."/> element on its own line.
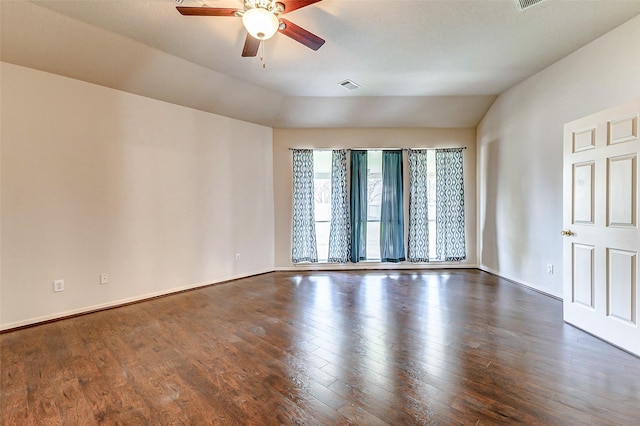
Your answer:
<point x="272" y="6"/>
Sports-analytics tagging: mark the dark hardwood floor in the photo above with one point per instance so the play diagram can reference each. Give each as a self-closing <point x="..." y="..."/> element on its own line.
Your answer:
<point x="397" y="347"/>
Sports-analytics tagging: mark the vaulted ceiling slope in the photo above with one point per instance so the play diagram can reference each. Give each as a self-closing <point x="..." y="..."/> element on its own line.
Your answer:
<point x="420" y="63"/>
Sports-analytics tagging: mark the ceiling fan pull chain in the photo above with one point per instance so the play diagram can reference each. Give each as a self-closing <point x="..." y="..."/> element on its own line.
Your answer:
<point x="264" y="65"/>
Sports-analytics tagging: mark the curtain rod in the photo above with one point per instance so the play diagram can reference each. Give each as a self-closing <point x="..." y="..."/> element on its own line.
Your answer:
<point x="450" y="147"/>
<point x="376" y="149"/>
<point x="321" y="149"/>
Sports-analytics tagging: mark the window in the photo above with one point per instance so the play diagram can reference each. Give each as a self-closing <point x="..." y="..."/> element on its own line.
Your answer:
<point x="374" y="198"/>
<point x="436" y="205"/>
<point x="441" y="193"/>
<point x="431" y="201"/>
<point x="322" y="200"/>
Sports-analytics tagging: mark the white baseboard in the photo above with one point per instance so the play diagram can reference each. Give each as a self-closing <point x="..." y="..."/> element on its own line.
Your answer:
<point x="374" y="265"/>
<point x="530" y="286"/>
<point x="120" y="302"/>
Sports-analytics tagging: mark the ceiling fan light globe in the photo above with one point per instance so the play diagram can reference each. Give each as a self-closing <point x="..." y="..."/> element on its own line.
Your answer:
<point x="260" y="23"/>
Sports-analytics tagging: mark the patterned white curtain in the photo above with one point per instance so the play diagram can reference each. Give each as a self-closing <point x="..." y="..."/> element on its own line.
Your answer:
<point x="339" y="235"/>
<point x="450" y="238"/>
<point x="304" y="248"/>
<point x="418" y="207"/>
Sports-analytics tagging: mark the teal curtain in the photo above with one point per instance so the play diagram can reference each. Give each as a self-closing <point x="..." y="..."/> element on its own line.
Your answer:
<point x="303" y="247"/>
<point x="418" y="207"/>
<point x="339" y="236"/>
<point x="450" y="235"/>
<point x="358" y="206"/>
<point x="392" y="209"/>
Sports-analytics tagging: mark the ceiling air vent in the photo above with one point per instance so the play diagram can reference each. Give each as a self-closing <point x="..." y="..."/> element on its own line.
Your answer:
<point x="526" y="4"/>
<point x="349" y="85"/>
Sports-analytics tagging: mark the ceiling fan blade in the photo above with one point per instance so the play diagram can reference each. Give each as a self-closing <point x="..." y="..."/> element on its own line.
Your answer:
<point x="291" y="5"/>
<point x="301" y="35"/>
<point x="251" y="46"/>
<point x="207" y="11"/>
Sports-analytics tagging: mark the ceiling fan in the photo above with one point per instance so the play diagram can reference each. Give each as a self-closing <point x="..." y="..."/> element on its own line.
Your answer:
<point x="261" y="19"/>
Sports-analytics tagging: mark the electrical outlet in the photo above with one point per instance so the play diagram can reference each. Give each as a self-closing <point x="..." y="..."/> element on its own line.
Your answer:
<point x="104" y="278"/>
<point x="58" y="286"/>
<point x="549" y="268"/>
<point x="237" y="257"/>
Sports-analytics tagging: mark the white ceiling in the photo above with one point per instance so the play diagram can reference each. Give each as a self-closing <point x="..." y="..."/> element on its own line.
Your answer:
<point x="420" y="63"/>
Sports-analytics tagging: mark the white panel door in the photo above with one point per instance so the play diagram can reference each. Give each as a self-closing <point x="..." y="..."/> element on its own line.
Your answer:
<point x="601" y="292"/>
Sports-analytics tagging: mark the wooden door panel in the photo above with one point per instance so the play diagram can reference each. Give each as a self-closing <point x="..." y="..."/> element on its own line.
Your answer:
<point x="623" y="129"/>
<point x="583" y="279"/>
<point x="584" y="139"/>
<point x="621" y="191"/>
<point x="622" y="285"/>
<point x="583" y="193"/>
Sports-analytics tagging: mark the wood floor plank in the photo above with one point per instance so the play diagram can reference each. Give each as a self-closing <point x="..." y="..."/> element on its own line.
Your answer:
<point x="454" y="347"/>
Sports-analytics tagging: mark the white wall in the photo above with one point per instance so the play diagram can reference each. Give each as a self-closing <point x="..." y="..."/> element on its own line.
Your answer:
<point x="94" y="180"/>
<point x="520" y="154"/>
<point x="283" y="139"/>
<point x="161" y="197"/>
